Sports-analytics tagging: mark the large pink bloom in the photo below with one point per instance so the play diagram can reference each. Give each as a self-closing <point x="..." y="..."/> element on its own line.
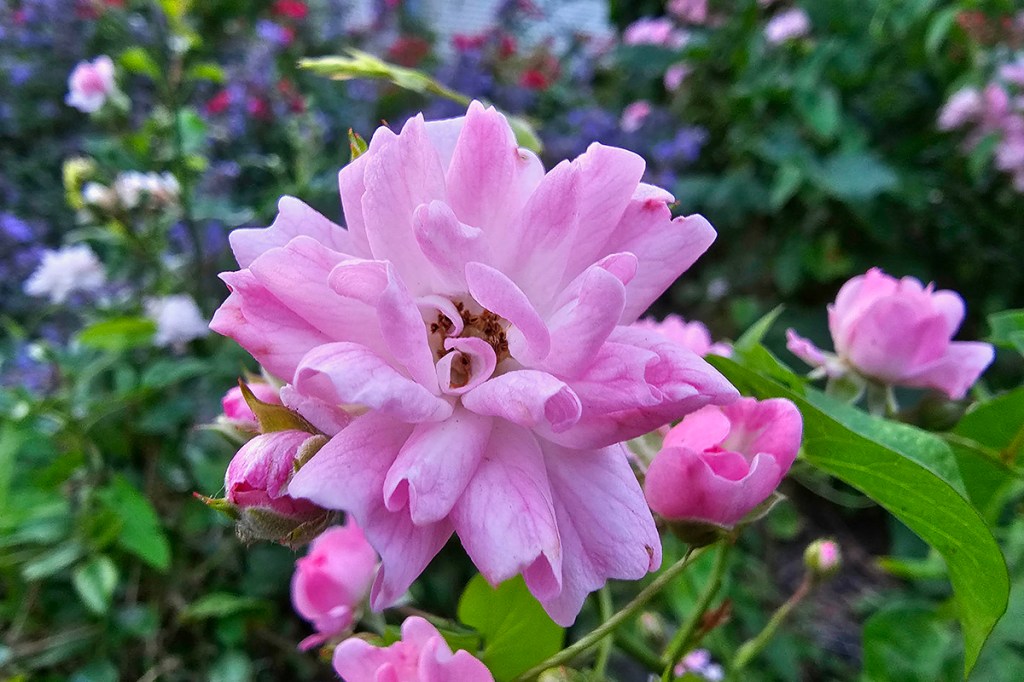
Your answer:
<point x="477" y="311"/>
<point x="332" y="580"/>
<point x="422" y="655"/>
<point x="721" y="462"/>
<point x="897" y="331"/>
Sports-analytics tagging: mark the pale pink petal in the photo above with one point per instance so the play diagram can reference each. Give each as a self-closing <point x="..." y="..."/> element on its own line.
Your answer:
<point x="805" y="349"/>
<point x="448" y="244"/>
<point x="528" y="398"/>
<point x="530" y="339"/>
<point x="435" y="464"/>
<point x="444" y="135"/>
<point x="348" y="473"/>
<point x="950" y="305"/>
<point x="294" y="218"/>
<point x="349" y="374"/>
<point x="772" y="425"/>
<point x="270" y="331"/>
<point x="957" y="370"/>
<point x="875" y="350"/>
<point x="854" y="297"/>
<point x="605" y="527"/>
<point x="699" y="430"/>
<point x="505" y="518"/>
<point x="580" y="328"/>
<point x="356" y="660"/>
<point x="439" y="664"/>
<point x="471" y="363"/>
<point x="352" y="186"/>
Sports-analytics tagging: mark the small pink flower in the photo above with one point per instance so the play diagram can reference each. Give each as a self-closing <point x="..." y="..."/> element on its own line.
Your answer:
<point x="720" y="462"/>
<point x="258" y="475"/>
<point x="90" y="83"/>
<point x="332" y="581"/>
<point x="899" y="332"/>
<point x="961" y="108"/>
<point x="237" y="410"/>
<point x="689" y="11"/>
<point x="787" y="25"/>
<point x="675" y="75"/>
<point x="822" y="557"/>
<point x="693" y="336"/>
<point x="648" y="31"/>
<point x="422" y="655"/>
<point x="634" y="115"/>
<point x="1013" y="72"/>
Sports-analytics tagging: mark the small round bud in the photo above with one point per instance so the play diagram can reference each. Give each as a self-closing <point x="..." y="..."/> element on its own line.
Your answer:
<point x="822" y="558"/>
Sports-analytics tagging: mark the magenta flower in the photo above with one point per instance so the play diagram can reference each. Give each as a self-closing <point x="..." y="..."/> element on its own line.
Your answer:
<point x="422" y="655"/>
<point x="476" y="313"/>
<point x="898" y="332"/>
<point x="720" y="462"/>
<point x="787" y="25"/>
<point x="332" y="581"/>
<point x="693" y="336"/>
<point x="257" y="477"/>
<point x="90" y="83"/>
<point x="237" y="410"/>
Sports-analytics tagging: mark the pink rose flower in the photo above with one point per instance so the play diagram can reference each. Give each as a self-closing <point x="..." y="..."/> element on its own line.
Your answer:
<point x="689" y="11"/>
<point x="898" y="332"/>
<point x="90" y="83"/>
<point x="693" y="336"/>
<point x="634" y="115"/>
<point x="787" y="25"/>
<point x="961" y="108"/>
<point x="258" y="475"/>
<point x="237" y="410"/>
<point x="422" y="655"/>
<point x="660" y="31"/>
<point x="332" y="580"/>
<point x="476" y="315"/>
<point x="720" y="462"/>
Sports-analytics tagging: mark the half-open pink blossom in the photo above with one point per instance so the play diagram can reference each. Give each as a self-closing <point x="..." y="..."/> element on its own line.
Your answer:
<point x="476" y="314"/>
<point x="422" y="655"/>
<point x="333" y="580"/>
<point x="90" y="83"/>
<point x="897" y="331"/>
<point x="721" y="462"/>
<point x="690" y="335"/>
<point x="258" y="475"/>
<point x="237" y="410"/>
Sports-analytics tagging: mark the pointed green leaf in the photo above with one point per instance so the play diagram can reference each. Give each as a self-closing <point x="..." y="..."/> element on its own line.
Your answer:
<point x="95" y="583"/>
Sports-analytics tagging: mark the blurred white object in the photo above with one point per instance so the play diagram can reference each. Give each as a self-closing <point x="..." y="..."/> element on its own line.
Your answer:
<point x="178" y="320"/>
<point x="68" y="269"/>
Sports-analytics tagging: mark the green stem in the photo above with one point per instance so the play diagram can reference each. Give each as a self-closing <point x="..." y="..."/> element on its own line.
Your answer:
<point x="683" y="638"/>
<point x="605" y="608"/>
<point x="627" y="612"/>
<point x="752" y="647"/>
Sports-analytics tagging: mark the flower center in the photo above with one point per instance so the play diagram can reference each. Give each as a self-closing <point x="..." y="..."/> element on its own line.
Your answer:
<point x="472" y="322"/>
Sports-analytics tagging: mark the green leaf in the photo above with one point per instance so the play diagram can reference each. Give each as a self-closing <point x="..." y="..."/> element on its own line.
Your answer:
<point x="164" y="373"/>
<point x="137" y="60"/>
<point x="52" y="562"/>
<point x="907" y="643"/>
<point x="752" y="338"/>
<point x="206" y="71"/>
<point x="95" y="583"/>
<point x="854" y="176"/>
<point x="939" y="28"/>
<point x="119" y="333"/>
<point x="905" y="472"/>
<point x="222" y="605"/>
<point x="820" y="111"/>
<point x="360" y="64"/>
<point x="141" y="533"/>
<point x="788" y="179"/>
<point x="1008" y="329"/>
<point x="517" y="632"/>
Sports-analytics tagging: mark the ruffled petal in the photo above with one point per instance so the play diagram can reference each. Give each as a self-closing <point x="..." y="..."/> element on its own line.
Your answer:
<point x="580" y="328"/>
<point x="448" y="244"/>
<point x="958" y="369"/>
<point x="529" y="340"/>
<point x="528" y="398"/>
<point x="294" y="219"/>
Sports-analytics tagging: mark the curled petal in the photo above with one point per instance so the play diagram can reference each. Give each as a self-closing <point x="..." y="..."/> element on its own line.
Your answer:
<point x="530" y="339"/>
<point x="471" y="362"/>
<point x="294" y="218"/>
<point x="528" y="398"/>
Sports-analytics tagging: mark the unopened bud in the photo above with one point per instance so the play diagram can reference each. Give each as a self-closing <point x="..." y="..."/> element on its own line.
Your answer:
<point x="822" y="558"/>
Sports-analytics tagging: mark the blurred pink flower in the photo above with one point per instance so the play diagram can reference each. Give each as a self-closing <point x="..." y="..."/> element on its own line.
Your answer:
<point x="787" y="25"/>
<point x="422" y="655"/>
<point x="476" y="312"/>
<point x="237" y="410"/>
<point x="720" y="462"/>
<point x="689" y="11"/>
<point x="90" y="83"/>
<point x="961" y="108"/>
<point x="675" y="75"/>
<point x="693" y="336"/>
<point x="1013" y="72"/>
<point x="661" y="31"/>
<point x="899" y="332"/>
<point x="257" y="477"/>
<point x="332" y="581"/>
<point x="634" y="115"/>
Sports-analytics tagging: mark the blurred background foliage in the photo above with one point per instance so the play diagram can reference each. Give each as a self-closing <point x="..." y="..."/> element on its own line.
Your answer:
<point x="815" y="157"/>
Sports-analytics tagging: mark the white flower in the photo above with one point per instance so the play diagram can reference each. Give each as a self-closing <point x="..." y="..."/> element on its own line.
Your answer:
<point x="100" y="196"/>
<point x="68" y="269"/>
<point x="129" y="186"/>
<point x="178" y="320"/>
<point x="90" y="83"/>
<point x="159" y="188"/>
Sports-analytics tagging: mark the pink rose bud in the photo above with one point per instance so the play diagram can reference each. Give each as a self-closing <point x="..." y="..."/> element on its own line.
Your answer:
<point x="256" y="482"/>
<point x="822" y="558"/>
<point x="90" y="83"/>
<point x="721" y="462"/>
<point x="422" y="655"/>
<point x="237" y="410"/>
<point x="693" y="336"/>
<point x="898" y="332"/>
<point x="333" y="580"/>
